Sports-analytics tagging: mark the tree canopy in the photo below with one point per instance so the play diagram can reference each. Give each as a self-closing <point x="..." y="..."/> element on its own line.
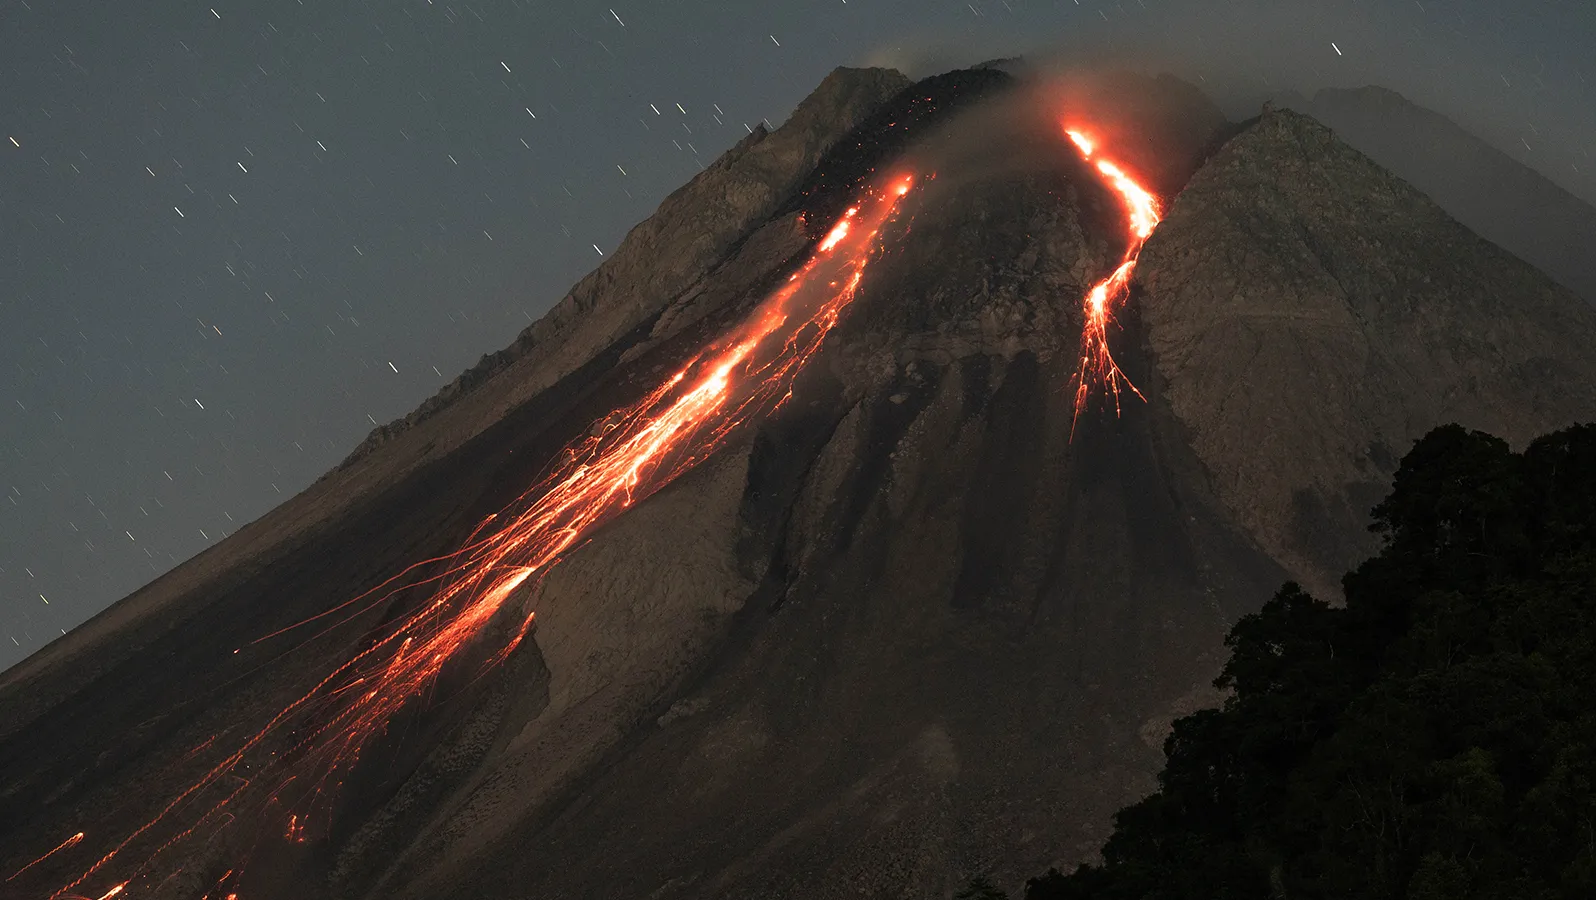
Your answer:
<point x="1435" y="737"/>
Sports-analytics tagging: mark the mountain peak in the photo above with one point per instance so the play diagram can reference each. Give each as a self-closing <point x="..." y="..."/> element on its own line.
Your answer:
<point x="844" y="90"/>
<point x="1487" y="189"/>
<point x="1313" y="314"/>
<point x="1371" y="93"/>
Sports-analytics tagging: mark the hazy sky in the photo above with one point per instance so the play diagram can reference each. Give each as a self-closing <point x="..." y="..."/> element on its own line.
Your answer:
<point x="235" y="236"/>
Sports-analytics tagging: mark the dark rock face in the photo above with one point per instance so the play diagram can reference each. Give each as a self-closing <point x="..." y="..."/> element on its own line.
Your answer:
<point x="921" y="622"/>
<point x="1487" y="190"/>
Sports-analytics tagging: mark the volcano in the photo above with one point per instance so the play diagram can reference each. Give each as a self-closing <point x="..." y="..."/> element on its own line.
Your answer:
<point x="860" y="525"/>
<point x="1492" y="193"/>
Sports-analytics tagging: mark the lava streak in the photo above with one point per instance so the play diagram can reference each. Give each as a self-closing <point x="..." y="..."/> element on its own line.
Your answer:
<point x="72" y="841"/>
<point x="291" y="766"/>
<point x="1097" y="367"/>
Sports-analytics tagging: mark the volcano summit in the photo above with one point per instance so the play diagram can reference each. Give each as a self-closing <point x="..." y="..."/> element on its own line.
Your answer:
<point x="860" y="524"/>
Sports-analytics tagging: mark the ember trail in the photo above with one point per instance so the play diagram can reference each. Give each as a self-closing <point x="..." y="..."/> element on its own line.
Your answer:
<point x="630" y="455"/>
<point x="1097" y="367"/>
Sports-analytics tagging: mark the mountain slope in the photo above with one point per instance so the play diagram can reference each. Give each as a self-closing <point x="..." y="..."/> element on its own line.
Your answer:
<point x="1504" y="200"/>
<point x="921" y="620"/>
<point x="1314" y="315"/>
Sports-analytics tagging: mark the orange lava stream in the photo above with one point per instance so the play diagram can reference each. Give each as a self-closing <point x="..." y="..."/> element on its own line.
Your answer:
<point x="1097" y="367"/>
<point x="629" y="455"/>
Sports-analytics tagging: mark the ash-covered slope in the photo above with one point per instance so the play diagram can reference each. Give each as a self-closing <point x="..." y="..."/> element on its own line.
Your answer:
<point x="918" y="623"/>
<point x="1489" y="191"/>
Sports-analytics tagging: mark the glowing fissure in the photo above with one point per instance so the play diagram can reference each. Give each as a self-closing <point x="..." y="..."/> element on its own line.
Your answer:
<point x="628" y="455"/>
<point x="1098" y="371"/>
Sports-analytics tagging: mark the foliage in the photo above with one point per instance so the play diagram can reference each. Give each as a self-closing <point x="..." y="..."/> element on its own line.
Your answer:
<point x="1435" y="738"/>
<point x="980" y="889"/>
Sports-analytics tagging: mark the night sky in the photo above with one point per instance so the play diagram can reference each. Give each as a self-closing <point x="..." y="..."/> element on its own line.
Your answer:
<point x="234" y="237"/>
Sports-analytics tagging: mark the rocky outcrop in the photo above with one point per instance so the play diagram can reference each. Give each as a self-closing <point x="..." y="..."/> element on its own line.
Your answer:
<point x="1313" y="314"/>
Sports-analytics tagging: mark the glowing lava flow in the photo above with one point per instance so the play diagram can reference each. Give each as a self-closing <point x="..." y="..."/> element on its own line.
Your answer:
<point x="299" y="757"/>
<point x="1097" y="367"/>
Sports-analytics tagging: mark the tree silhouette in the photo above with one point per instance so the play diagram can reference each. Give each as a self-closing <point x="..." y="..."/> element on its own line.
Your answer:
<point x="1434" y="738"/>
<point x="980" y="889"/>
